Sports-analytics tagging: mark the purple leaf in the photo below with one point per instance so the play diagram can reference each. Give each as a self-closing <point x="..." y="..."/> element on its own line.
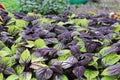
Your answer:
<point x="57" y="69"/>
<point x="43" y="73"/>
<point x="79" y="71"/>
<point x="75" y="50"/>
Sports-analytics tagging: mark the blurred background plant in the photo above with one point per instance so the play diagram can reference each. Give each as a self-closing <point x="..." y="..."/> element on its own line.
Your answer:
<point x="43" y="6"/>
<point x="59" y="6"/>
<point x="11" y="5"/>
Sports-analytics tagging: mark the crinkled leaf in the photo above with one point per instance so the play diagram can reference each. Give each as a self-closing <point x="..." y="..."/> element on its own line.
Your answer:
<point x="45" y="21"/>
<point x="110" y="59"/>
<point x="30" y="44"/>
<point x="51" y="41"/>
<point x="94" y="62"/>
<point x="79" y="71"/>
<point x="63" y="54"/>
<point x="7" y="50"/>
<point x="57" y="69"/>
<point x="8" y="60"/>
<point x="25" y="57"/>
<point x="37" y="65"/>
<point x="112" y="50"/>
<point x="40" y="43"/>
<point x="18" y="40"/>
<point x="25" y="76"/>
<point x="4" y="53"/>
<point x="43" y="73"/>
<point x="112" y="70"/>
<point x="12" y="77"/>
<point x="82" y="22"/>
<point x="81" y="43"/>
<point x="11" y="29"/>
<point x="13" y="49"/>
<point x="36" y="59"/>
<point x="75" y="50"/>
<point x="69" y="62"/>
<point x="19" y="69"/>
<point x="9" y="71"/>
<point x="21" y="23"/>
<point x="59" y="46"/>
<point x="102" y="52"/>
<point x="90" y="74"/>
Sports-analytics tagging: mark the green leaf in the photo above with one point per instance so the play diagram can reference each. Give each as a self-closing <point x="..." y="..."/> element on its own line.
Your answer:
<point x="106" y="41"/>
<point x="45" y="21"/>
<point x="7" y="50"/>
<point x="61" y="77"/>
<point x="10" y="14"/>
<point x="33" y="79"/>
<point x="94" y="79"/>
<point x="72" y="16"/>
<point x="82" y="45"/>
<point x="110" y="59"/>
<point x="109" y="78"/>
<point x="25" y="76"/>
<point x="4" y="53"/>
<point x="12" y="77"/>
<point x="11" y="29"/>
<point x="30" y="14"/>
<point x="36" y="59"/>
<point x="8" y="60"/>
<point x="79" y="28"/>
<point x="65" y="23"/>
<point x="111" y="70"/>
<point x="60" y="23"/>
<point x="90" y="74"/>
<point x="18" y="40"/>
<point x="59" y="46"/>
<point x="19" y="69"/>
<point x="94" y="62"/>
<point x="13" y="49"/>
<point x="40" y="43"/>
<point x="102" y="52"/>
<point x="117" y="28"/>
<point x="25" y="57"/>
<point x="2" y="45"/>
<point x="105" y="72"/>
<point x="12" y="21"/>
<point x="21" y="23"/>
<point x="82" y="22"/>
<point x="37" y="65"/>
<point x="1" y="76"/>
<point x="64" y="54"/>
<point x="30" y="44"/>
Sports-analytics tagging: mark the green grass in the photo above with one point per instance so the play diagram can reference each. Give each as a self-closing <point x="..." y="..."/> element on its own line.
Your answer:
<point x="11" y="5"/>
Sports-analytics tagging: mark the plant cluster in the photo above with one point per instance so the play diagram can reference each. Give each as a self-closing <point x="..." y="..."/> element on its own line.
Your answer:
<point x="43" y="6"/>
<point x="59" y="47"/>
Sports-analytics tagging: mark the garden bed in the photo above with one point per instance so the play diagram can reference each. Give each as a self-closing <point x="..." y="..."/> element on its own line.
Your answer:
<point x="59" y="47"/>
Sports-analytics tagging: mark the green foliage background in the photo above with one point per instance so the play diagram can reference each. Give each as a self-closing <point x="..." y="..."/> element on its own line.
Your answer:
<point x="11" y="5"/>
<point x="43" y="6"/>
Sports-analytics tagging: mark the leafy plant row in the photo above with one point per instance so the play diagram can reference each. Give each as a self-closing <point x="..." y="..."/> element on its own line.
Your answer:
<point x="43" y="6"/>
<point x="59" y="47"/>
